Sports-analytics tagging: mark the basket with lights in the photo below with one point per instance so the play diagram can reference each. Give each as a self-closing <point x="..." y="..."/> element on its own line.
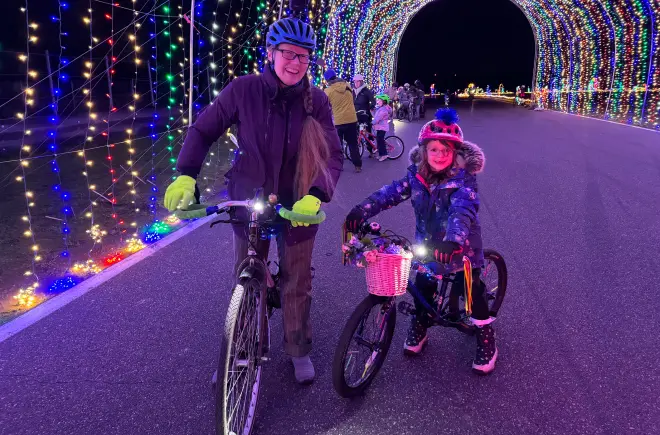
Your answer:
<point x="387" y="259"/>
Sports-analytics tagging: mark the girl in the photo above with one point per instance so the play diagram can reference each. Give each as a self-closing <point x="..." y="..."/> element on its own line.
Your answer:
<point x="442" y="186"/>
<point x="289" y="147"/>
<point x="380" y="122"/>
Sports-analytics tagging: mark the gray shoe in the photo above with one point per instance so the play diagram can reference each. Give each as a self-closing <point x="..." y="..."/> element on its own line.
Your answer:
<point x="304" y="369"/>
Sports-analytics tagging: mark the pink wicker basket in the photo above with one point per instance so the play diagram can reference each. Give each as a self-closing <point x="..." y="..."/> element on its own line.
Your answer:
<point x="388" y="275"/>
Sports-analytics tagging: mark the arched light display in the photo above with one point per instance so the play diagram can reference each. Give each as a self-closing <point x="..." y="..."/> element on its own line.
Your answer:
<point x="594" y="57"/>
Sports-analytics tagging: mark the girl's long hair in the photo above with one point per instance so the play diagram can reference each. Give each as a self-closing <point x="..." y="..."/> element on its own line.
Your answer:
<point x="314" y="150"/>
<point x="425" y="170"/>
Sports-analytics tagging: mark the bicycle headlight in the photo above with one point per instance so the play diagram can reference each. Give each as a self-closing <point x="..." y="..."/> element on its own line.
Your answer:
<point x="258" y="207"/>
<point x="420" y="251"/>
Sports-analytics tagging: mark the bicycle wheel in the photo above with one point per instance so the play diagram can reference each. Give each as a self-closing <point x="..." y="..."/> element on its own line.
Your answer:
<point x="411" y="115"/>
<point x="394" y="146"/>
<point x="352" y="369"/>
<point x="494" y="275"/>
<point x="347" y="151"/>
<point x="239" y="367"/>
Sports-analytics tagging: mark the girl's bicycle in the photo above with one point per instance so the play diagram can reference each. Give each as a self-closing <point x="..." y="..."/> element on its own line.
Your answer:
<point x="366" y="140"/>
<point x="245" y="340"/>
<point x="366" y="338"/>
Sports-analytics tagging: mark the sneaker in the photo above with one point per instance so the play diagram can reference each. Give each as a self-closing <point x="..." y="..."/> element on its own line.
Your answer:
<point x="382" y="158"/>
<point x="484" y="362"/>
<point x="303" y="369"/>
<point x="417" y="338"/>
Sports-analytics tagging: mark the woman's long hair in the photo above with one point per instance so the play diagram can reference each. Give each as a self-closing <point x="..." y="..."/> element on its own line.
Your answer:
<point x="314" y="151"/>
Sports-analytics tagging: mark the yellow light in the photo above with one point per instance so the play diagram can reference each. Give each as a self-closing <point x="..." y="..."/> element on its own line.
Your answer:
<point x="90" y="163"/>
<point x="88" y="214"/>
<point x="137" y="97"/>
<point x="131" y="151"/>
<point x="87" y="75"/>
<point x="131" y="37"/>
<point x="25" y="163"/>
<point x="137" y="48"/>
<point x="33" y="74"/>
<point x="35" y="248"/>
<point x="19" y="178"/>
<point x="33" y="39"/>
<point x="131" y="108"/>
<point x="134" y="245"/>
<point x="85" y="91"/>
<point x="27" y="233"/>
<point x="29" y="91"/>
<point x="86" y="20"/>
<point x="138" y="61"/>
<point x="88" y="64"/>
<point x="29" y="194"/>
<point x="25" y="218"/>
<point x="89" y="104"/>
<point x="26" y="148"/>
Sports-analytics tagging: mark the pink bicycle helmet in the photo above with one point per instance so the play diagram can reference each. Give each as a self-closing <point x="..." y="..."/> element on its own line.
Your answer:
<point x="443" y="127"/>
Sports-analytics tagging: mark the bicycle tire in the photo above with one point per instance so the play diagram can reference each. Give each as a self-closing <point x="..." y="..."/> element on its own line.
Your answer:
<point x="354" y="321"/>
<point x="411" y="115"/>
<point x="395" y="154"/>
<point x="502" y="279"/>
<point x="238" y="298"/>
<point x="347" y="151"/>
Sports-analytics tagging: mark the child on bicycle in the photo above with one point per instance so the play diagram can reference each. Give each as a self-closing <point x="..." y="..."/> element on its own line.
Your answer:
<point x="380" y="123"/>
<point x="442" y="186"/>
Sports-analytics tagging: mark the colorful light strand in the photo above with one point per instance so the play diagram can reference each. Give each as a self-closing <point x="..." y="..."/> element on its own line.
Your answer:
<point x="595" y="58"/>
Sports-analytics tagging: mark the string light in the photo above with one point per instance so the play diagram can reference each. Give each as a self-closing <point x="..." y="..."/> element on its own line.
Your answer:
<point x="595" y="58"/>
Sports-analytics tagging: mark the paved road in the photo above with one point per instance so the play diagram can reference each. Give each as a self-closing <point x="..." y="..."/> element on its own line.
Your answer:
<point x="573" y="205"/>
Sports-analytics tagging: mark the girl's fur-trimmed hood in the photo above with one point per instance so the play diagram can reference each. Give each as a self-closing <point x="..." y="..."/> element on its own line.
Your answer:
<point x="469" y="157"/>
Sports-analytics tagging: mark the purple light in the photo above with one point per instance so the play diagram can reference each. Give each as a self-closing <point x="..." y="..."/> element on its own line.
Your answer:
<point x="56" y="187"/>
<point x="66" y="210"/>
<point x="65" y="253"/>
<point x="66" y="196"/>
<point x="66" y="230"/>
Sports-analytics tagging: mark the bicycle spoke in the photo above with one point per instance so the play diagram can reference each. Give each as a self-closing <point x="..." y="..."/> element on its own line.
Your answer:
<point x="358" y="363"/>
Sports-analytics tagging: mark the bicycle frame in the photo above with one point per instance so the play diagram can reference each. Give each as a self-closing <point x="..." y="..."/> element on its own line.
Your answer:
<point x="253" y="266"/>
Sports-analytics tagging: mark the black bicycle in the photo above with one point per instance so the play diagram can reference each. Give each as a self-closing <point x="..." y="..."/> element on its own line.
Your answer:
<point x="246" y="338"/>
<point x="367" y="336"/>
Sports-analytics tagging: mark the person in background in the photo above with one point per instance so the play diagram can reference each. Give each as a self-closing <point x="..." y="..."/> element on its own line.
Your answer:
<point x="419" y="87"/>
<point x="343" y="110"/>
<point x="364" y="100"/>
<point x="391" y="91"/>
<point x="382" y="114"/>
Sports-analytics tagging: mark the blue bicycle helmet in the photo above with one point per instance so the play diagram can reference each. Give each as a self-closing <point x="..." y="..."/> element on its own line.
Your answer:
<point x="291" y="31"/>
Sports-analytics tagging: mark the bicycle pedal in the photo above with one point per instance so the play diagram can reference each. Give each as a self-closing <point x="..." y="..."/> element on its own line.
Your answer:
<point x="406" y="308"/>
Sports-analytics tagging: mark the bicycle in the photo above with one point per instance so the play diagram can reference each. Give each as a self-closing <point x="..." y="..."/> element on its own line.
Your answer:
<point x="406" y="110"/>
<point x="246" y="338"/>
<point x="351" y="377"/>
<point x="394" y="144"/>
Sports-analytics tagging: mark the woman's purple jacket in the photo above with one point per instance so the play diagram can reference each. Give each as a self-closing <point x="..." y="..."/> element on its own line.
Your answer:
<point x="269" y="121"/>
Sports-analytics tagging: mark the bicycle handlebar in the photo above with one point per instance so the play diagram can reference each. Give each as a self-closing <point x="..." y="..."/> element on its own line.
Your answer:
<point x="196" y="211"/>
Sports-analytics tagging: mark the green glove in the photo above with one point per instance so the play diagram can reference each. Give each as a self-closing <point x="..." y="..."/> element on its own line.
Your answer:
<point x="309" y="205"/>
<point x="182" y="190"/>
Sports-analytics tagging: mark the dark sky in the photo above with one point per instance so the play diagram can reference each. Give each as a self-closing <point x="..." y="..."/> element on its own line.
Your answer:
<point x="454" y="42"/>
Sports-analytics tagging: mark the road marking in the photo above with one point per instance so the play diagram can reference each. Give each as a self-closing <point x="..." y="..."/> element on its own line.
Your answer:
<point x="37" y="313"/>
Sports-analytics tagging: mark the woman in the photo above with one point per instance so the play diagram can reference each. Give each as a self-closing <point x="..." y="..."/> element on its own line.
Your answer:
<point x="289" y="146"/>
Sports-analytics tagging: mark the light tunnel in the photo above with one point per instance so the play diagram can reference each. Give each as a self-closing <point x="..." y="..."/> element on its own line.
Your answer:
<point x="593" y="57"/>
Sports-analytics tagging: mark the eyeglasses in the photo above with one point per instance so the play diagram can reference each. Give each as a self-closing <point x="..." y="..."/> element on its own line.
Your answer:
<point x="291" y="55"/>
